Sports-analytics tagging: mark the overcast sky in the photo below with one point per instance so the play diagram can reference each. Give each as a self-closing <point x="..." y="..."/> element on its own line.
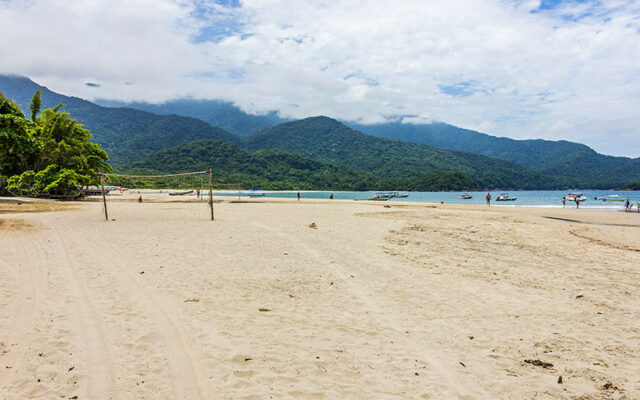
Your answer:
<point x="523" y="69"/>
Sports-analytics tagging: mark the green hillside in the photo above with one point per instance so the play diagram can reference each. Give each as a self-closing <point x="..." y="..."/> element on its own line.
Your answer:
<point x="328" y="140"/>
<point x="279" y="170"/>
<point x="575" y="162"/>
<point x="126" y="134"/>
<point x="265" y="169"/>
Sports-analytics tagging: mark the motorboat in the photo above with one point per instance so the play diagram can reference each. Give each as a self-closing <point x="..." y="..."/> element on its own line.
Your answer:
<point x="576" y="196"/>
<point x="183" y="193"/>
<point x="613" y="197"/>
<point x="465" y="196"/>
<point x="256" y="193"/>
<point x="505" y="197"/>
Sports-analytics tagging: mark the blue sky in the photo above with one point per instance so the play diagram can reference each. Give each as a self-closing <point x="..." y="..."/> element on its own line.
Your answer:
<point x="560" y="70"/>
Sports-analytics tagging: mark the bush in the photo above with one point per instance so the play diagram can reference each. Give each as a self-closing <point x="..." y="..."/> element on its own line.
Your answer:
<point x="52" y="181"/>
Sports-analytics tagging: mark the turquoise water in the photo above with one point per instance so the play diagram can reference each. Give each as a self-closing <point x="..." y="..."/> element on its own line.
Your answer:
<point x="529" y="198"/>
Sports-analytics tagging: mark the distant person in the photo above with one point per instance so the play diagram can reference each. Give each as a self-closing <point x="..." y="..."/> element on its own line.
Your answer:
<point x="639" y="207"/>
<point x="488" y="199"/>
<point x="198" y="193"/>
<point x="564" y="202"/>
<point x="331" y="196"/>
<point x="627" y="206"/>
<point x="298" y="195"/>
<point x="140" y="199"/>
<point x="577" y="202"/>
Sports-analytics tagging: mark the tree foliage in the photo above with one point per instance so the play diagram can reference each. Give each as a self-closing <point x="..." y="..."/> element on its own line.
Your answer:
<point x="49" y="154"/>
<point x="36" y="104"/>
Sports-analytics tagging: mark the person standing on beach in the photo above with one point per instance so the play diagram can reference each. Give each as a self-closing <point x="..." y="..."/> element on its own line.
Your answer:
<point x="298" y="195"/>
<point x="488" y="199"/>
<point x="577" y="202"/>
<point x="564" y="201"/>
<point x="627" y="205"/>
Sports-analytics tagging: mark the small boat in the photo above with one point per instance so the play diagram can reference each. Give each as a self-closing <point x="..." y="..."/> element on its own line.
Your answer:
<point x="256" y="193"/>
<point x="380" y="197"/>
<point x="613" y="199"/>
<point x="183" y="193"/>
<point x="401" y="194"/>
<point x="93" y="191"/>
<point x="576" y="196"/>
<point x="465" y="196"/>
<point x="386" y="195"/>
<point x="505" y="197"/>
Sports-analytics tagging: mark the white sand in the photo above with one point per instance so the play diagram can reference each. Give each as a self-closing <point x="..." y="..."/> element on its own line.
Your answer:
<point x="412" y="301"/>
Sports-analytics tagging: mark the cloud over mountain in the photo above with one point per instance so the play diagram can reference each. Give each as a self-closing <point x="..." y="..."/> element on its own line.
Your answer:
<point x="523" y="69"/>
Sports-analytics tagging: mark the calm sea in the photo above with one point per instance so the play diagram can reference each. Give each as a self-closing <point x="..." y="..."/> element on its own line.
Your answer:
<point x="529" y="198"/>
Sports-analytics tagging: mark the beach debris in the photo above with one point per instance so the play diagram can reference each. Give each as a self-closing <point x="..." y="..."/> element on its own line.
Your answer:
<point x="539" y="363"/>
<point x="416" y="374"/>
<point x="610" y="385"/>
<point x="291" y="296"/>
<point x="40" y="354"/>
<point x="388" y="206"/>
<point x="141" y="272"/>
<point x="263" y="309"/>
<point x="70" y="369"/>
<point x="313" y="226"/>
<point x="579" y="296"/>
<point x="470" y="337"/>
<point x="248" y="359"/>
<point x="73" y="397"/>
<point x="560" y="380"/>
<point x="461" y="363"/>
<point x="600" y="304"/>
<point x="193" y="300"/>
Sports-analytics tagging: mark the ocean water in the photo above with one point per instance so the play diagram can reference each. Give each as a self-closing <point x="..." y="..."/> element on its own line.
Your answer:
<point x="528" y="198"/>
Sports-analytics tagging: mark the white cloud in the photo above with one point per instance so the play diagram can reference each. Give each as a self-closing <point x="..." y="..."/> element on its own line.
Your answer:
<point x="571" y="72"/>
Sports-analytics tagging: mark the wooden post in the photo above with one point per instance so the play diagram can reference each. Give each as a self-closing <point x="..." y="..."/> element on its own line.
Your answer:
<point x="104" y="197"/>
<point x="211" y="192"/>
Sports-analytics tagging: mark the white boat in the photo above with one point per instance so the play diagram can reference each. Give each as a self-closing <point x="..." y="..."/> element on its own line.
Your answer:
<point x="576" y="196"/>
<point x="505" y="197"/>
<point x="465" y="196"/>
<point x="256" y="193"/>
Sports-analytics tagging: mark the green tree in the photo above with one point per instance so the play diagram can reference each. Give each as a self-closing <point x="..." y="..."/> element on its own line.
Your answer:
<point x="36" y="104"/>
<point x="48" y="154"/>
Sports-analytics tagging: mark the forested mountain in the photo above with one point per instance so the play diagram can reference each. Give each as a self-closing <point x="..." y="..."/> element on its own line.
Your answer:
<point x="126" y="134"/>
<point x="217" y="113"/>
<point x="325" y="139"/>
<point x="279" y="170"/>
<point x="579" y="164"/>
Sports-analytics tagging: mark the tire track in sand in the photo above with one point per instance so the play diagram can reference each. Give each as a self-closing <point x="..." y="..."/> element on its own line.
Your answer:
<point x="100" y="371"/>
<point x="188" y="380"/>
<point x="22" y="320"/>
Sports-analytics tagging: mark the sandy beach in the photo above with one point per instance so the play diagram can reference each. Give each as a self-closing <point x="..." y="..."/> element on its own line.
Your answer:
<point x="372" y="302"/>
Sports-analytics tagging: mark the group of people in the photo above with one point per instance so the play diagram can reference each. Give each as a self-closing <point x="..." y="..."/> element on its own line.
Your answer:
<point x="628" y="206"/>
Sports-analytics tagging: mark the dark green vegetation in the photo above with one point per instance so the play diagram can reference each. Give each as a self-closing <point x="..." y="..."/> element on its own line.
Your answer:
<point x="48" y="154"/>
<point x="578" y="165"/>
<point x="279" y="170"/>
<point x="266" y="169"/>
<point x="328" y="140"/>
<point x="126" y="134"/>
<point x="217" y="113"/>
<point x="443" y="181"/>
<point x="633" y="186"/>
